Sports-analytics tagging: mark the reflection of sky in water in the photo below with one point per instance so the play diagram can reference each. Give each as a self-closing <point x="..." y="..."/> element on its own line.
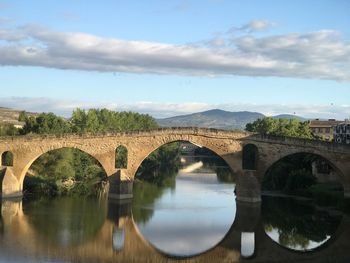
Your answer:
<point x="192" y="218"/>
<point x="275" y="236"/>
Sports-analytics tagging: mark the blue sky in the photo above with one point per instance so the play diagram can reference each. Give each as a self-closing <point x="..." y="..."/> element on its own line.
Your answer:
<point x="175" y="57"/>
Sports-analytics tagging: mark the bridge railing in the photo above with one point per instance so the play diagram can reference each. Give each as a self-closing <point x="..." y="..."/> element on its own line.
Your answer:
<point x="188" y="130"/>
<point x="178" y="130"/>
<point x="300" y="141"/>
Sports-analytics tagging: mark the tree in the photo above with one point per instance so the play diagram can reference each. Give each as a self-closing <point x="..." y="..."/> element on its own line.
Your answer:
<point x="92" y="121"/>
<point x="281" y="127"/>
<point x="45" y="123"/>
<point x="8" y="130"/>
<point x="78" y="120"/>
<point x="104" y="120"/>
<point x="22" y="116"/>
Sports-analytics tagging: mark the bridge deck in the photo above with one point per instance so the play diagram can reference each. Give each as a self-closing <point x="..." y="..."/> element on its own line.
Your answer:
<point x="206" y="132"/>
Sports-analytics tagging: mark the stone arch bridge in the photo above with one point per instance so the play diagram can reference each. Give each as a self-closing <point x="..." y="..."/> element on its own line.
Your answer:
<point x="230" y="145"/>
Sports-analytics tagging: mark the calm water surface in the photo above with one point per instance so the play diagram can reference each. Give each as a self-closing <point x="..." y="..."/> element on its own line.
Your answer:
<point x="299" y="224"/>
<point x="192" y="214"/>
<point x="190" y="218"/>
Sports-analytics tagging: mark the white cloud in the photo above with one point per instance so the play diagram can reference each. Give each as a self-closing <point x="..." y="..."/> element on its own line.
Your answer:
<point x="316" y="55"/>
<point x="163" y="110"/>
<point x="254" y="26"/>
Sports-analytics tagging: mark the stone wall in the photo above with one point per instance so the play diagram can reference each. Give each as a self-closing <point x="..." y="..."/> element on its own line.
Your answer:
<point x="227" y="144"/>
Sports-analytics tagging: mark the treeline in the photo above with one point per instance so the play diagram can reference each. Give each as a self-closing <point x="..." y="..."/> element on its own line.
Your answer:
<point x="92" y="120"/>
<point x="282" y="127"/>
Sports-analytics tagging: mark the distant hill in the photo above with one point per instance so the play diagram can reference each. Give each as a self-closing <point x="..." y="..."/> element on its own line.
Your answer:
<point x="219" y="119"/>
<point x="289" y="116"/>
<point x="11" y="116"/>
<point x="216" y="118"/>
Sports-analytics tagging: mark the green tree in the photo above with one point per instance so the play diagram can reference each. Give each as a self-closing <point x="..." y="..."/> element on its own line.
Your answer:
<point x="22" y="116"/>
<point x="45" y="123"/>
<point x="281" y="127"/>
<point x="92" y="121"/>
<point x="7" y="129"/>
<point x="78" y="120"/>
<point x="104" y="120"/>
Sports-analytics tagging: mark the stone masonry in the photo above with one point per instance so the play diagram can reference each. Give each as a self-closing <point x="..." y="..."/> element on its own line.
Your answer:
<point x="227" y="144"/>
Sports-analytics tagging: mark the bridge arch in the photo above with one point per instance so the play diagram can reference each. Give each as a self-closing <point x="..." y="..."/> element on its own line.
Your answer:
<point x="121" y="157"/>
<point x="233" y="161"/>
<point x="339" y="173"/>
<point x="7" y="158"/>
<point x="37" y="155"/>
<point x="250" y="157"/>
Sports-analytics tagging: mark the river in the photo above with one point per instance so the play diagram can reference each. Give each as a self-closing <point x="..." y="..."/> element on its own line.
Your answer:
<point x="193" y="216"/>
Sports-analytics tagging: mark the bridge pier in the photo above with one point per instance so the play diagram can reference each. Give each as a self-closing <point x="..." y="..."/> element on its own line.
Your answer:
<point x="248" y="188"/>
<point x="120" y="189"/>
<point x="247" y="218"/>
<point x="11" y="187"/>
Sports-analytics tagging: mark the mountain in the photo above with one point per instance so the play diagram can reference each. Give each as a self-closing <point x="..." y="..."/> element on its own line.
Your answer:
<point x="219" y="119"/>
<point x="216" y="118"/>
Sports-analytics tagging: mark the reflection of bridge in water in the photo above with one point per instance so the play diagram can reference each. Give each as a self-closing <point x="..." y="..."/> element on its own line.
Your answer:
<point x="118" y="240"/>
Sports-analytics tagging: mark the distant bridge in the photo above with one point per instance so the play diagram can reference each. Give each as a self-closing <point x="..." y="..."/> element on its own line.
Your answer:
<point x="232" y="146"/>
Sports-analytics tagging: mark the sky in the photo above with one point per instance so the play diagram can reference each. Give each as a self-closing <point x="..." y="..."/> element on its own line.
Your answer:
<point x="175" y="57"/>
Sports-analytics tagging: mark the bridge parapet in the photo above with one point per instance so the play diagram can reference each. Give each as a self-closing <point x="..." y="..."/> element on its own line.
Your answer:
<point x="135" y="133"/>
<point x="329" y="146"/>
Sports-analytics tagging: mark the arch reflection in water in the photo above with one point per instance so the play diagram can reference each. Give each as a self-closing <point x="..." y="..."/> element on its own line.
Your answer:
<point x="192" y="210"/>
<point x="302" y="196"/>
<point x="118" y="238"/>
<point x="298" y="224"/>
<point x="247" y="244"/>
<point x="65" y="221"/>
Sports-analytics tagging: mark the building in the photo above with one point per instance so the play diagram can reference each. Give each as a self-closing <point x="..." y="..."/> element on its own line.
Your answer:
<point x="324" y="128"/>
<point x="342" y="132"/>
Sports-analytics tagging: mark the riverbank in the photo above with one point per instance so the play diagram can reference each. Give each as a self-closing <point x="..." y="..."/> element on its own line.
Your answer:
<point x="321" y="194"/>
